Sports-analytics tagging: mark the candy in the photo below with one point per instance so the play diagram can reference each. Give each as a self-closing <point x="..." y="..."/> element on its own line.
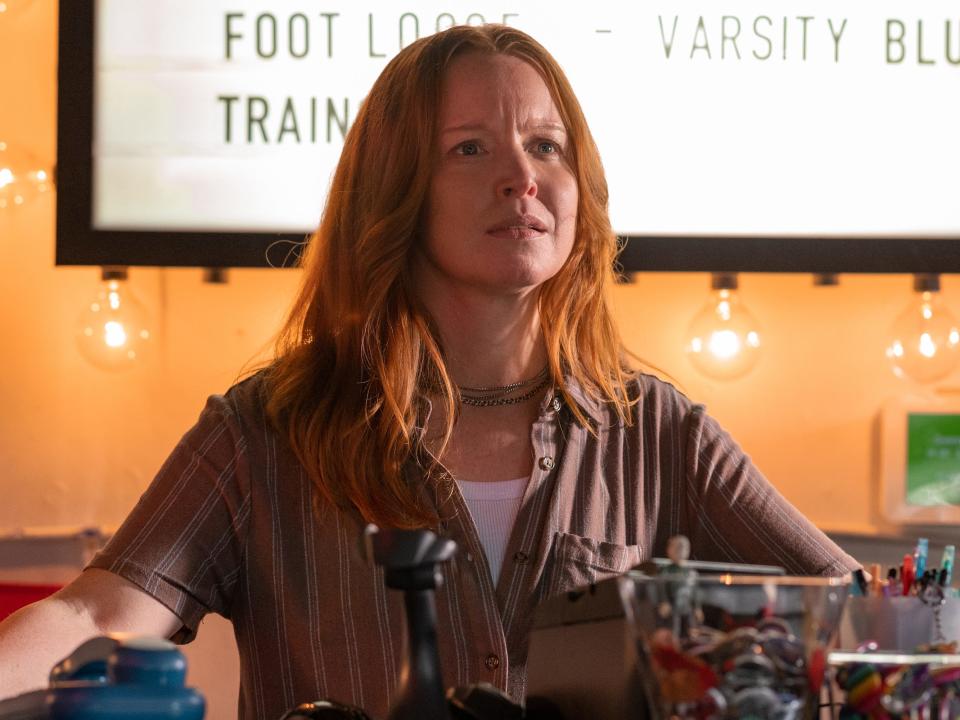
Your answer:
<point x="899" y="691"/>
<point x="745" y="673"/>
<point x="683" y="677"/>
<point x="756" y="702"/>
<point x="865" y="693"/>
<point x="909" y="688"/>
<point x="751" y="670"/>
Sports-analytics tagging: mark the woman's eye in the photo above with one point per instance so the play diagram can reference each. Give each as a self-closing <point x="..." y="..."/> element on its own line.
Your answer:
<point x="468" y="148"/>
<point x="547" y="147"/>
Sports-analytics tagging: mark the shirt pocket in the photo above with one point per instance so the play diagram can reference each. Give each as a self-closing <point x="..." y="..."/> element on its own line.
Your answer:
<point x="576" y="561"/>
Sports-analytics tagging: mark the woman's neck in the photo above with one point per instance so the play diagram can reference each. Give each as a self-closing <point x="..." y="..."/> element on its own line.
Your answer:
<point x="490" y="340"/>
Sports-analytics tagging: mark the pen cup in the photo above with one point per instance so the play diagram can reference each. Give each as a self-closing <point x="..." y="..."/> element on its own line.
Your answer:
<point x="898" y="623"/>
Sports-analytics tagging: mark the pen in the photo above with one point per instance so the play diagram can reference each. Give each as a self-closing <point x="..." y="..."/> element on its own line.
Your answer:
<point x="876" y="584"/>
<point x="949" y="553"/>
<point x="860" y="582"/>
<point x="920" y="556"/>
<point x="906" y="575"/>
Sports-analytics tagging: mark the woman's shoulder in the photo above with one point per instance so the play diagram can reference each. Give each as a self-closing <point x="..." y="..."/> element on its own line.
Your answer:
<point x="655" y="396"/>
<point x="649" y="397"/>
<point x="238" y="416"/>
<point x="244" y="401"/>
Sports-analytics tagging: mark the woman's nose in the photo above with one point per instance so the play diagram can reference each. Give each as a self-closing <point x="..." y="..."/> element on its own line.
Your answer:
<point x="518" y="177"/>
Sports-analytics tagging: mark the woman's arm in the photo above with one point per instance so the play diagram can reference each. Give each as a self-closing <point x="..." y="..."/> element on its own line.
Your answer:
<point x="36" y="637"/>
<point x="738" y="515"/>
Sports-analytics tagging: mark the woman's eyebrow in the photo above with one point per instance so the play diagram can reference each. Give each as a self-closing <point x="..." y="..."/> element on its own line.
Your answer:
<point x="467" y="128"/>
<point x="547" y="126"/>
<point x="474" y="127"/>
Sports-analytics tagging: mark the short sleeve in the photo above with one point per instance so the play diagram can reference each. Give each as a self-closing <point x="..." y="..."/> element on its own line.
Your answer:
<point x="183" y="543"/>
<point x="736" y="515"/>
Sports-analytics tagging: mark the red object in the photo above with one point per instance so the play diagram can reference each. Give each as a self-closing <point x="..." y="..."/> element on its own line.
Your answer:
<point x="673" y="661"/>
<point x="14" y="596"/>
<point x="816" y="669"/>
<point x="907" y="574"/>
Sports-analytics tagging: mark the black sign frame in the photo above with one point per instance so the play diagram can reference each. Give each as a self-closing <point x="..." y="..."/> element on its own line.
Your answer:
<point x="78" y="243"/>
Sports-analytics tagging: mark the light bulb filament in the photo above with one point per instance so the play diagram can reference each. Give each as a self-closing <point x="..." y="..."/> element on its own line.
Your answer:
<point x="724" y="344"/>
<point x="723" y="310"/>
<point x="113" y="334"/>
<point x="927" y="347"/>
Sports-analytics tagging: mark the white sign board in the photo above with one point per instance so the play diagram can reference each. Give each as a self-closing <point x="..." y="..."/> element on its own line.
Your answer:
<point x="804" y="117"/>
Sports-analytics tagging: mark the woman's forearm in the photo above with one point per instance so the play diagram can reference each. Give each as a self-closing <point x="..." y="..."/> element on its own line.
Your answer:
<point x="35" y="638"/>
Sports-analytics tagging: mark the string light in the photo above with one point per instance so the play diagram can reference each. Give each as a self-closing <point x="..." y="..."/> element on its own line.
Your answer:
<point x="22" y="177"/>
<point x="723" y="340"/>
<point x="9" y="7"/>
<point x="925" y="337"/>
<point x="113" y="332"/>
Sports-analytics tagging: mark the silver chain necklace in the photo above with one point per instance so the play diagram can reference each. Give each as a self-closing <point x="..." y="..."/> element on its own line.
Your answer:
<point x="500" y="395"/>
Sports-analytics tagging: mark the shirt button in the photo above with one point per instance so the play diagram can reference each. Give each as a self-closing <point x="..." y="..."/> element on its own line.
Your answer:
<point x="520" y="557"/>
<point x="546" y="463"/>
<point x="491" y="662"/>
<point x="556" y="404"/>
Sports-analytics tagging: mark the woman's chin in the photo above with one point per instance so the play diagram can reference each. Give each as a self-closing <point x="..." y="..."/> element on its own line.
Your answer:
<point x="519" y="274"/>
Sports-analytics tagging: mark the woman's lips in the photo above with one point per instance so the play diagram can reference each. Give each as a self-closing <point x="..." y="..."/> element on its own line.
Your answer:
<point x="519" y="227"/>
<point x="516" y="232"/>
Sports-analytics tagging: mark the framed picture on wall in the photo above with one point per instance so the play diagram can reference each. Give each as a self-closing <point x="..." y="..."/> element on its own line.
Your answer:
<point x="920" y="460"/>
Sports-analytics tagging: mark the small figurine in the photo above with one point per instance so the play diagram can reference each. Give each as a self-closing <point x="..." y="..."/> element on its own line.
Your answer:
<point x="680" y="601"/>
<point x="678" y="552"/>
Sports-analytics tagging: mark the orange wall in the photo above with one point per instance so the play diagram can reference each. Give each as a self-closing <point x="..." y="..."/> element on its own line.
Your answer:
<point x="77" y="445"/>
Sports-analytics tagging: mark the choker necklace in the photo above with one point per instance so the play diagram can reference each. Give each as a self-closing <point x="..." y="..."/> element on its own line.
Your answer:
<point x="503" y="394"/>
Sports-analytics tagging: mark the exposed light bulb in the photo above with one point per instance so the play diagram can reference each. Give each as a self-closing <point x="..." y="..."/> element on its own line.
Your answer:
<point x="925" y="337"/>
<point x="22" y="177"/>
<point x="113" y="332"/>
<point x="723" y="340"/>
<point x="9" y="7"/>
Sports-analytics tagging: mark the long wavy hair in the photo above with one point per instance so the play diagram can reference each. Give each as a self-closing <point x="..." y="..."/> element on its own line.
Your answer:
<point x="358" y="352"/>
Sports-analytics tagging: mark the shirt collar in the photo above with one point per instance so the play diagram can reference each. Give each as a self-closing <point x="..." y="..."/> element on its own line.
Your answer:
<point x="592" y="408"/>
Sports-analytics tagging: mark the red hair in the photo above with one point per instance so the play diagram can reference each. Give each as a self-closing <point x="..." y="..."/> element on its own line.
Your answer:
<point x="358" y="351"/>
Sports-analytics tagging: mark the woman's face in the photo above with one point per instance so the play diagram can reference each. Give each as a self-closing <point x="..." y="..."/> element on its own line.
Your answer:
<point x="502" y="204"/>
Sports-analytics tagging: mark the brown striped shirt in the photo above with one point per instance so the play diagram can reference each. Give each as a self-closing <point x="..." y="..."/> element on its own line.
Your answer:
<point x="227" y="527"/>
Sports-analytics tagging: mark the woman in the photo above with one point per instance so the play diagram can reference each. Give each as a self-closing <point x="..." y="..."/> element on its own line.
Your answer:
<point x="450" y="351"/>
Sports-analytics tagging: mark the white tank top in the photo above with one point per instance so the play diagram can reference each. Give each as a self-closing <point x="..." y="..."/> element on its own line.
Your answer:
<point x="494" y="507"/>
